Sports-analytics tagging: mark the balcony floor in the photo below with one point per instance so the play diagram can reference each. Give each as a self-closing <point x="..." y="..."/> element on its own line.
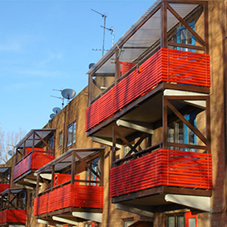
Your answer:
<point x="154" y="199"/>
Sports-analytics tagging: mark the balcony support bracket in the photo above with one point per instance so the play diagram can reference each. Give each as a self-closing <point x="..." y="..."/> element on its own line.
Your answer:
<point x="197" y="202"/>
<point x="137" y="126"/>
<point x="134" y="210"/>
<point x="64" y="220"/>
<point x="96" y="217"/>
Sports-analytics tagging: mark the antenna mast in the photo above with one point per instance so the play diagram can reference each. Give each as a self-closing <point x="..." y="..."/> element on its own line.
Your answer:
<point x="104" y="28"/>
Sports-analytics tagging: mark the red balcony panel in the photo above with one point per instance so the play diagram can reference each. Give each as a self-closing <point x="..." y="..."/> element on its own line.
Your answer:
<point x="166" y="65"/>
<point x="13" y="216"/>
<point x="3" y="187"/>
<point x="162" y="168"/>
<point x="29" y="150"/>
<point x="69" y="196"/>
<point x="62" y="178"/>
<point x="33" y="161"/>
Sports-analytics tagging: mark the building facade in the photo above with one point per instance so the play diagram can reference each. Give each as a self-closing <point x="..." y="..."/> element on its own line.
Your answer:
<point x="144" y="144"/>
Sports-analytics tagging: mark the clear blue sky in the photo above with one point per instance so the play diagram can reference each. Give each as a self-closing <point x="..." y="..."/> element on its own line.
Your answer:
<point x="47" y="45"/>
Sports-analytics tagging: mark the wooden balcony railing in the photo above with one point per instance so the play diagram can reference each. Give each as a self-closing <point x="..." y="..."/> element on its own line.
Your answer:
<point x="70" y="195"/>
<point x="166" y="65"/>
<point x="33" y="161"/>
<point x="162" y="168"/>
<point x="13" y="216"/>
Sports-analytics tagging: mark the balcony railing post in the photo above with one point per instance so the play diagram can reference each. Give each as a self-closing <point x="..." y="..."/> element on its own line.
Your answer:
<point x="117" y="65"/>
<point x="164" y="24"/>
<point x="164" y="122"/>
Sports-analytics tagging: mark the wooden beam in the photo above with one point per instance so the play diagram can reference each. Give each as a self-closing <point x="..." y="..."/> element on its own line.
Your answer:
<point x="164" y="24"/>
<point x="197" y="37"/>
<point x="125" y="140"/>
<point x="135" y="126"/>
<point x="105" y="142"/>
<point x="181" y="117"/>
<point x="81" y="160"/>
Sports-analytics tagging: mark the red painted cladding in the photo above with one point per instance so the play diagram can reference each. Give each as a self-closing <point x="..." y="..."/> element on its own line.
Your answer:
<point x="162" y="167"/>
<point x="33" y="161"/>
<point x="13" y="216"/>
<point x="69" y="196"/>
<point x="166" y="65"/>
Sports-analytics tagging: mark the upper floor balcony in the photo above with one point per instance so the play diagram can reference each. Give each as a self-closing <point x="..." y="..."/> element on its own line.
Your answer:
<point x="167" y="46"/>
<point x="34" y="151"/>
<point x="75" y="192"/>
<point x="13" y="207"/>
<point x="4" y="178"/>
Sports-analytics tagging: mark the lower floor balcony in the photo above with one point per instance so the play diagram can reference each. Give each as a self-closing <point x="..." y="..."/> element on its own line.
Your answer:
<point x="74" y="192"/>
<point x="68" y="202"/>
<point x="13" y="217"/>
<point x="69" y="196"/>
<point x="26" y="167"/>
<point x="161" y="177"/>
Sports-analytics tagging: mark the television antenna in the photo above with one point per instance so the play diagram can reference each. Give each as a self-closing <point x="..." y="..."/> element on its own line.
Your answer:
<point x="68" y="93"/>
<point x="104" y="29"/>
<point x="58" y="97"/>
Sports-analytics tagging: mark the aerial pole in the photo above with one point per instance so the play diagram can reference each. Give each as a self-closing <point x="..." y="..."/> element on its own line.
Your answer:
<point x="104" y="28"/>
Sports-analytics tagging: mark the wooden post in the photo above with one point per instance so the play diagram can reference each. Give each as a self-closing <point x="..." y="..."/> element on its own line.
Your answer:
<point x="117" y="73"/>
<point x="164" y="121"/>
<point x="52" y="179"/>
<point x="163" y="40"/>
<point x="114" y="145"/>
<point x="73" y="168"/>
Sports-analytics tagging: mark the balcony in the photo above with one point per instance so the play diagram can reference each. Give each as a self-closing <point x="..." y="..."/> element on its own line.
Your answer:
<point x="32" y="152"/>
<point x="154" y="177"/>
<point x="13" y="204"/>
<point x="165" y="66"/>
<point x="4" y="178"/>
<point x="75" y="193"/>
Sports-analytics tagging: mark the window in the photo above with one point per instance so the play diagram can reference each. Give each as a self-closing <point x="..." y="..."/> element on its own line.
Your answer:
<point x="185" y="37"/>
<point x="94" y="164"/>
<point x="60" y="139"/>
<point x="175" y="220"/>
<point x="71" y="136"/>
<point x="51" y="142"/>
<point x="181" y="220"/>
<point x="180" y="133"/>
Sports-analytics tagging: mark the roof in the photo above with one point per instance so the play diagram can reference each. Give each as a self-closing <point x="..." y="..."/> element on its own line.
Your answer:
<point x="142" y="35"/>
<point x="40" y="133"/>
<point x="65" y="159"/>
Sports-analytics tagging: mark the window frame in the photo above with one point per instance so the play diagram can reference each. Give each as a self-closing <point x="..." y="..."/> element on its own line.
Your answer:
<point x="60" y="139"/>
<point x="72" y="140"/>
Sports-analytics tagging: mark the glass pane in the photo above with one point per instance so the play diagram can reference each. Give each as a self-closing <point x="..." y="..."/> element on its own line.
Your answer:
<point x="171" y="222"/>
<point x="60" y="140"/>
<point x="180" y="133"/>
<point x="191" y="222"/>
<point x="69" y="136"/>
<point x="180" y="221"/>
<point x="74" y="132"/>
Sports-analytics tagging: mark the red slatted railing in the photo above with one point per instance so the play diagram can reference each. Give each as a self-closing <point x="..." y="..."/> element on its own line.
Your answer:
<point x="166" y="65"/>
<point x="3" y="187"/>
<point x="33" y="161"/>
<point x="13" y="216"/>
<point x="162" y="167"/>
<point x="69" y="196"/>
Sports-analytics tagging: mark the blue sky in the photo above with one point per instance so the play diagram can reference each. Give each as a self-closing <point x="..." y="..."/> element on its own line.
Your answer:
<point x="46" y="45"/>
